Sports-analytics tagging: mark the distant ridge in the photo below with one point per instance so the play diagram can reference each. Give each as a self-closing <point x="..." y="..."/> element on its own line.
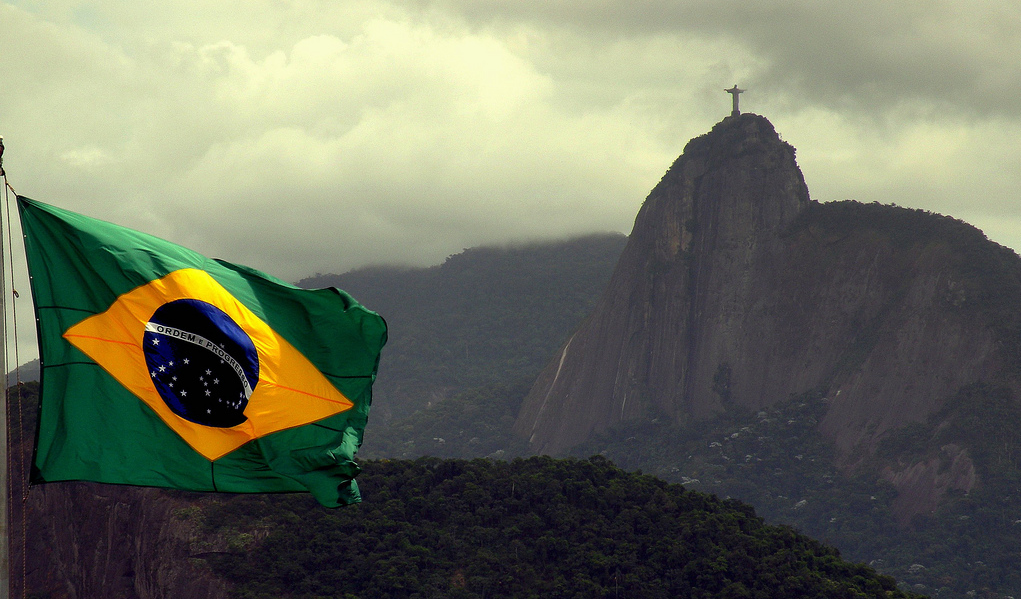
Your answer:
<point x="486" y="314"/>
<point x="29" y="371"/>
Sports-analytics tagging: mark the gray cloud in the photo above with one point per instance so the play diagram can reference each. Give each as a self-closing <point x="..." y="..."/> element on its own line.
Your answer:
<point x="397" y="142"/>
<point x="957" y="54"/>
<point x="308" y="136"/>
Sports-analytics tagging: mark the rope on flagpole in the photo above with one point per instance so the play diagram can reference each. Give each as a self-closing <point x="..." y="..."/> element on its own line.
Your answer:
<point x="6" y="236"/>
<point x="5" y="544"/>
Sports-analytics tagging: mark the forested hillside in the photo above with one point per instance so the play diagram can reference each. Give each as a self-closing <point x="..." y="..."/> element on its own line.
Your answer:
<point x="529" y="528"/>
<point x="428" y="528"/>
<point x="486" y="315"/>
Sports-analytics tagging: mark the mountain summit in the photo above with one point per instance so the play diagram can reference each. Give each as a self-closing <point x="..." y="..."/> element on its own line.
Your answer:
<point x="738" y="292"/>
<point x="691" y="303"/>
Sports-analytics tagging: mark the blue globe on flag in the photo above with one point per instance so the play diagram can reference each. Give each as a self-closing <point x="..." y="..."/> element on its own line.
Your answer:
<point x="201" y="362"/>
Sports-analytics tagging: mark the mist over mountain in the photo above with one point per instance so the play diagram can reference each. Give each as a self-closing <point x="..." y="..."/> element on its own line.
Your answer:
<point x="487" y="314"/>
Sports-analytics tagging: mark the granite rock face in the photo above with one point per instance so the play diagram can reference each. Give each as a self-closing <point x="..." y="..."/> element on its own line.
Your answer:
<point x="78" y="540"/>
<point x="729" y="294"/>
<point x="90" y="540"/>
<point x="685" y="306"/>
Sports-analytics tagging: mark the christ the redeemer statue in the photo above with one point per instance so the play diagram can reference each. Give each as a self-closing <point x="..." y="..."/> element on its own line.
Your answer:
<point x="735" y="92"/>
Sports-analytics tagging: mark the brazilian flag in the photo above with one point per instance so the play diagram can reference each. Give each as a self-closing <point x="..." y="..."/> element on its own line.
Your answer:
<point x="161" y="367"/>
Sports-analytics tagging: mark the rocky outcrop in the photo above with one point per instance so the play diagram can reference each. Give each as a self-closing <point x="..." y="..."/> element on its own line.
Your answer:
<point x="90" y="540"/>
<point x="736" y="291"/>
<point x="78" y="540"/>
<point x="921" y="485"/>
<point x="674" y="318"/>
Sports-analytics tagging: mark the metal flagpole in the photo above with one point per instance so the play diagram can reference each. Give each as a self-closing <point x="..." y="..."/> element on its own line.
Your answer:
<point x="5" y="529"/>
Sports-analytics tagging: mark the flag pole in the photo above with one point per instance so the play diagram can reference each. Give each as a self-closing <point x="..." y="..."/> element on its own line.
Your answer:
<point x="5" y="508"/>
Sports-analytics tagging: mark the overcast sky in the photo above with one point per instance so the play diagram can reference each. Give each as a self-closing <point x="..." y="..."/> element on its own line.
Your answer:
<point x="304" y="136"/>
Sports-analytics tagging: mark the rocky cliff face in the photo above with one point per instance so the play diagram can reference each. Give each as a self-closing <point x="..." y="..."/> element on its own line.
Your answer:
<point x="91" y="540"/>
<point x="736" y="291"/>
<point x="85" y="540"/>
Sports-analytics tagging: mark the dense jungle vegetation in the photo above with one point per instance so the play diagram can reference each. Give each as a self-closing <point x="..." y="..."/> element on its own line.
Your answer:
<point x="528" y="528"/>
